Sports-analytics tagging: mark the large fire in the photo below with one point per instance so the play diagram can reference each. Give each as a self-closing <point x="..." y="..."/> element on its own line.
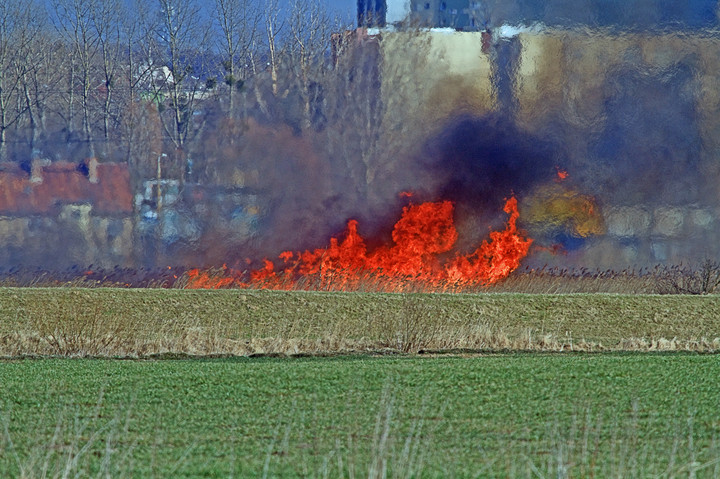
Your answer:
<point x="420" y="257"/>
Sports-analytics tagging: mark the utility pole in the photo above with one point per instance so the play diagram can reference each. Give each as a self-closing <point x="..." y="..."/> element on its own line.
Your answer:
<point x="159" y="178"/>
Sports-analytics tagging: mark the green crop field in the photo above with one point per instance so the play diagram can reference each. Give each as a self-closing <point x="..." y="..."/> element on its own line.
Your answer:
<point x="511" y="415"/>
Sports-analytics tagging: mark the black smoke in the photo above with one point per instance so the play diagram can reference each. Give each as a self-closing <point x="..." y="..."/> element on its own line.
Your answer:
<point x="480" y="161"/>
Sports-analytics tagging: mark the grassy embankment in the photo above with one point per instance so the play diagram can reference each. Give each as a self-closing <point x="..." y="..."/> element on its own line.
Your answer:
<point x="143" y="322"/>
<point x="513" y="415"/>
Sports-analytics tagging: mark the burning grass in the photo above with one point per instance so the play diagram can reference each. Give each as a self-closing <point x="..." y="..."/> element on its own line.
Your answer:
<point x="419" y="257"/>
<point x="146" y="322"/>
<point x="658" y="280"/>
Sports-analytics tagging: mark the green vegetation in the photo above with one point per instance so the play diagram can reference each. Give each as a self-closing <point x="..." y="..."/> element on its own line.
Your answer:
<point x="527" y="415"/>
<point x="144" y="322"/>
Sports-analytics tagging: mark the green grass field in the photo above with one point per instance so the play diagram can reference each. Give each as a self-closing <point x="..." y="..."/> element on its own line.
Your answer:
<point x="512" y="415"/>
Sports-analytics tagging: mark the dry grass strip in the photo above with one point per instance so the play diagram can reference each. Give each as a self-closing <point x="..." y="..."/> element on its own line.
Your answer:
<point x="144" y="323"/>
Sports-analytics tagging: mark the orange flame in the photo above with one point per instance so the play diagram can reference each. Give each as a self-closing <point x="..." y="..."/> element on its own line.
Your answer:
<point x="209" y="279"/>
<point x="496" y="259"/>
<point x="424" y="235"/>
<point x="561" y="174"/>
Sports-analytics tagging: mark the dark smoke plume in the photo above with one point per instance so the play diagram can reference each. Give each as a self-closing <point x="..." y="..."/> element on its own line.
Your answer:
<point x="482" y="160"/>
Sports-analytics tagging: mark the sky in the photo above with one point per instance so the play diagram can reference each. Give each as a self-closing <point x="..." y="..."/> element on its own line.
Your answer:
<point x="347" y="9"/>
<point x="344" y="7"/>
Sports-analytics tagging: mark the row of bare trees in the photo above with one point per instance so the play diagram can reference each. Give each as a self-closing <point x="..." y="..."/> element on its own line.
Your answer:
<point x="128" y="80"/>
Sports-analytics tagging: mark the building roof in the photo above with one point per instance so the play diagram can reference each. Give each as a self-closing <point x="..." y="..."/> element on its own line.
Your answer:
<point x="49" y="187"/>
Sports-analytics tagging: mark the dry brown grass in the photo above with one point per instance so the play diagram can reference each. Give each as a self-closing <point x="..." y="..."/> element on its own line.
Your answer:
<point x="533" y="281"/>
<point x="148" y="322"/>
<point x="205" y="344"/>
<point x="582" y="280"/>
<point x="703" y="278"/>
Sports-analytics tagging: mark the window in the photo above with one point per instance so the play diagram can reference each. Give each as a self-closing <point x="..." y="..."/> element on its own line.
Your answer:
<point x="443" y="6"/>
<point x="427" y="5"/>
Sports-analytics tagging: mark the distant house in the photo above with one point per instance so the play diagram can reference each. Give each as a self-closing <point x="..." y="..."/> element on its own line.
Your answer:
<point x="62" y="214"/>
<point x="50" y="186"/>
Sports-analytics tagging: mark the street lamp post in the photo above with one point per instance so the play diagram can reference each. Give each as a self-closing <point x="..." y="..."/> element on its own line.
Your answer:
<point x="159" y="178"/>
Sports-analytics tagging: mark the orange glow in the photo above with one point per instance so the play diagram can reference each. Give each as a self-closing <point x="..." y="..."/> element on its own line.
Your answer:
<point x="560" y="207"/>
<point x="208" y="279"/>
<point x="561" y="174"/>
<point x="419" y="258"/>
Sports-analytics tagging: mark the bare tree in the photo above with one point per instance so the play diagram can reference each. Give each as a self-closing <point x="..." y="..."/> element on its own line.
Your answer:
<point x="308" y="59"/>
<point x="137" y="38"/>
<point x="181" y="37"/>
<point x="75" y="23"/>
<point x="239" y="22"/>
<point x="136" y="110"/>
<point x="16" y="33"/>
<point x="106" y="21"/>
<point x="44" y="85"/>
<point x="366" y="101"/>
<point x="273" y="27"/>
<point x="354" y="109"/>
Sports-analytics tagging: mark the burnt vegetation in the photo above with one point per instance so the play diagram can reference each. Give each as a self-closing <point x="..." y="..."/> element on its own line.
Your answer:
<point x="702" y="279"/>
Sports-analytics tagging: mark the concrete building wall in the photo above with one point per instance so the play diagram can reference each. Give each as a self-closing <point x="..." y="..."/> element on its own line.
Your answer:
<point x="398" y="10"/>
<point x="75" y="237"/>
<point x="428" y="76"/>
